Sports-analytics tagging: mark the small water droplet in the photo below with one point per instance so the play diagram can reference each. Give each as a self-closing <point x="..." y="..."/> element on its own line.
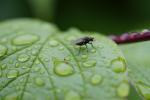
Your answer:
<point x="90" y="63"/>
<point x="3" y="50"/>
<point x="61" y="48"/>
<point x="39" y="82"/>
<point x="93" y="50"/>
<point x="53" y="43"/>
<point x="123" y="90"/>
<point x="72" y="95"/>
<point x="17" y="65"/>
<point x="12" y="74"/>
<point x="96" y="79"/>
<point x="144" y="90"/>
<point x="34" y="52"/>
<point x="4" y="66"/>
<point x="23" y="58"/>
<point x="84" y="56"/>
<point x="25" y="39"/>
<point x="118" y="65"/>
<point x="63" y="69"/>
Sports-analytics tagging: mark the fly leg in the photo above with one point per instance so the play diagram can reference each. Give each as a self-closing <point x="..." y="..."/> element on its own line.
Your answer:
<point x="91" y="44"/>
<point x="86" y="47"/>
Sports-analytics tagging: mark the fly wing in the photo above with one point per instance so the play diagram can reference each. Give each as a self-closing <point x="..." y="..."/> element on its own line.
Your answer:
<point x="78" y="41"/>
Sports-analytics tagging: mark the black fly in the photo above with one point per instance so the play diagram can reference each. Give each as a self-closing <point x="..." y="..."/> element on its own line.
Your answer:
<point x="84" y="41"/>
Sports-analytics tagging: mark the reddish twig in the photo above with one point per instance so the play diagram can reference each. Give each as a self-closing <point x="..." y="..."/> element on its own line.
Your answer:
<point x="131" y="37"/>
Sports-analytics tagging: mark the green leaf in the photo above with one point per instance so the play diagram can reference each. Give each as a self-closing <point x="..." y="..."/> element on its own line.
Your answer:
<point x="138" y="60"/>
<point x="39" y="63"/>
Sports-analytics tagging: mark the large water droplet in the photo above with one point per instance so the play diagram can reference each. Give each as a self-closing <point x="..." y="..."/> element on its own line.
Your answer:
<point x="63" y="69"/>
<point x="96" y="79"/>
<point x="123" y="90"/>
<point x="12" y="74"/>
<point x="84" y="56"/>
<point x="25" y="39"/>
<point x="23" y="58"/>
<point x="3" y="50"/>
<point x="90" y="63"/>
<point x="72" y="95"/>
<point x="53" y="43"/>
<point x="144" y="90"/>
<point x="39" y="82"/>
<point x="118" y="65"/>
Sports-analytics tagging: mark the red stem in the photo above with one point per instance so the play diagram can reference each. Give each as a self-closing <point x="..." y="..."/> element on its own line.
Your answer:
<point x="131" y="38"/>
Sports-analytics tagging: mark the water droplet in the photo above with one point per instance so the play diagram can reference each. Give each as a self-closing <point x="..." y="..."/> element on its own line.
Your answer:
<point x="84" y="56"/>
<point x="3" y="50"/>
<point x="144" y="90"/>
<point x="72" y="95"/>
<point x="96" y="79"/>
<point x="61" y="48"/>
<point x="118" y="65"/>
<point x="63" y="69"/>
<point x="17" y="65"/>
<point x="53" y="43"/>
<point x="12" y="74"/>
<point x="4" y="66"/>
<point x="34" y="52"/>
<point x="39" y="82"/>
<point x="93" y="50"/>
<point x="25" y="39"/>
<point x="23" y="58"/>
<point x="123" y="90"/>
<point x="90" y="63"/>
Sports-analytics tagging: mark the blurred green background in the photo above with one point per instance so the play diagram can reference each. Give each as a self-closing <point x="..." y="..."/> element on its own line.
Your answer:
<point x="106" y="16"/>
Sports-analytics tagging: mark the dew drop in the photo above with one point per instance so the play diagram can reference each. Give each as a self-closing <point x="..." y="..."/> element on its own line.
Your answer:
<point x="118" y="65"/>
<point x="23" y="58"/>
<point x="39" y="82"/>
<point x="89" y="63"/>
<point x="34" y="52"/>
<point x="123" y="90"/>
<point x="93" y="50"/>
<point x="84" y="56"/>
<point x="144" y="90"/>
<point x="96" y="79"/>
<point x="3" y="50"/>
<point x="12" y="74"/>
<point x="25" y="39"/>
<point x="17" y="65"/>
<point x="4" y="66"/>
<point x="72" y="95"/>
<point x="61" y="48"/>
<point x="53" y="43"/>
<point x="63" y="69"/>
